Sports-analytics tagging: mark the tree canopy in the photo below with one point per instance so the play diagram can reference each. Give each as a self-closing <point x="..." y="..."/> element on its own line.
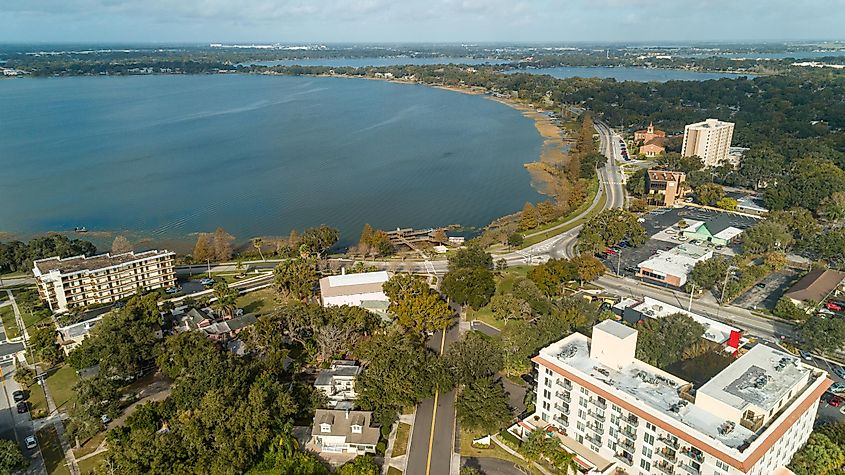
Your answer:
<point x="662" y="341"/>
<point x="469" y="286"/>
<point x="608" y="228"/>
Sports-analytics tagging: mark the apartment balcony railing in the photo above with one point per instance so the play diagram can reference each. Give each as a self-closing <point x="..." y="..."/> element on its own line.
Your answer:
<point x="594" y="440"/>
<point x="673" y="443"/>
<point x="599" y="403"/>
<point x="625" y="458"/>
<point x="666" y="468"/>
<point x="627" y="444"/>
<point x="595" y="428"/>
<point x="690" y="469"/>
<point x="668" y="455"/>
<point x="563" y="422"/>
<point x="693" y="453"/>
<point x="631" y="421"/>
<point x="629" y="434"/>
<point x="563" y="396"/>
<point x="597" y="416"/>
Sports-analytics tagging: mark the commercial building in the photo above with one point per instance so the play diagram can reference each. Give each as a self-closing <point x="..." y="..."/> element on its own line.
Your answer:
<point x="817" y="286"/>
<point x="336" y="431"/>
<point x="357" y="290"/>
<point x="76" y="282"/>
<point x="710" y="140"/>
<point x="666" y="186"/>
<point x="717" y="231"/>
<point x="650" y="141"/>
<point x="338" y="383"/>
<point x="673" y="266"/>
<point x="634" y="311"/>
<point x="599" y="400"/>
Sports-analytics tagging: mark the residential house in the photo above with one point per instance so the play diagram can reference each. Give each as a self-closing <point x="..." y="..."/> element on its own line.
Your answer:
<point x="620" y="414"/>
<point x="717" y="231"/>
<point x="338" y="383"/>
<point x="71" y="336"/>
<point x="666" y="185"/>
<point x="358" y="290"/>
<point x="816" y="287"/>
<point x="336" y="431"/>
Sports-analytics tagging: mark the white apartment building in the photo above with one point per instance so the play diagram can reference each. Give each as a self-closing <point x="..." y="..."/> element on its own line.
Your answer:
<point x="710" y="140"/>
<point x="76" y="282"/>
<point x="619" y="414"/>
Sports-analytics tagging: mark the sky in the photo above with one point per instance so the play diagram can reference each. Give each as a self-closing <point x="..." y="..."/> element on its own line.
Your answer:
<point x="340" y="21"/>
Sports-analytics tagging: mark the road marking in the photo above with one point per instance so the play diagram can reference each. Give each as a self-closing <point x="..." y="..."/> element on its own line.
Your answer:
<point x="434" y="412"/>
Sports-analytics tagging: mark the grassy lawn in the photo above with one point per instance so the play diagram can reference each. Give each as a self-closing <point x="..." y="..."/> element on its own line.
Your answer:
<point x="258" y="302"/>
<point x="51" y="450"/>
<point x="485" y="315"/>
<point x="393" y="471"/>
<point x="494" y="451"/>
<point x="591" y="195"/>
<point x="7" y="313"/>
<point x="400" y="445"/>
<point x="60" y="384"/>
<point x="37" y="400"/>
<point x="88" y="465"/>
<point x="541" y="237"/>
<point x="90" y="445"/>
<point x="504" y="285"/>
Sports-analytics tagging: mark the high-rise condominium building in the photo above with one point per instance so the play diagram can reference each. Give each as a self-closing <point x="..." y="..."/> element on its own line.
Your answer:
<point x="617" y="412"/>
<point x="710" y="140"/>
<point x="76" y="282"/>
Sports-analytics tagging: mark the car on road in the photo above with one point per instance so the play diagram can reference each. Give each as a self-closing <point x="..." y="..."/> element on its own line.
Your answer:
<point x="105" y="419"/>
<point x="208" y="281"/>
<point x="839" y="371"/>
<point x="23" y="407"/>
<point x="632" y="269"/>
<point x="806" y="355"/>
<point x="173" y="290"/>
<point x="19" y="396"/>
<point x="760" y="285"/>
<point x="31" y="442"/>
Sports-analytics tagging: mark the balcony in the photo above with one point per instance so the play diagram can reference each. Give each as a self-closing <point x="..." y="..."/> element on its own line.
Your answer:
<point x="562" y="421"/>
<point x="563" y="396"/>
<point x="597" y="416"/>
<point x="631" y="421"/>
<point x="673" y="443"/>
<point x="595" y="428"/>
<point x="601" y="404"/>
<point x="593" y="440"/>
<point x="625" y="458"/>
<point x="668" y="455"/>
<point x="693" y="453"/>
<point x="666" y="468"/>
<point x="629" y="434"/>
<point x="690" y="469"/>
<point x="564" y="409"/>
<point x="627" y="444"/>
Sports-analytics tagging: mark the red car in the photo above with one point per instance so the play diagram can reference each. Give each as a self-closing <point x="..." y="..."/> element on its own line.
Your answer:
<point x="835" y="401"/>
<point x="610" y="251"/>
<point x="833" y="306"/>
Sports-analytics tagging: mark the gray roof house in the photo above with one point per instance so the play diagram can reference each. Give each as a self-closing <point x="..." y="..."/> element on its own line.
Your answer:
<point x="338" y="383"/>
<point x="336" y="431"/>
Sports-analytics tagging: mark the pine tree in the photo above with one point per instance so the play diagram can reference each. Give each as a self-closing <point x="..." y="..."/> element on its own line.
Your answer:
<point x="204" y="249"/>
<point x="528" y="217"/>
<point x="366" y="240"/>
<point x="222" y="245"/>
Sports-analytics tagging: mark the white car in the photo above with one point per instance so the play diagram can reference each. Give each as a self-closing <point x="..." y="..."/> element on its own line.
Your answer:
<point x="670" y="231"/>
<point x="31" y="442"/>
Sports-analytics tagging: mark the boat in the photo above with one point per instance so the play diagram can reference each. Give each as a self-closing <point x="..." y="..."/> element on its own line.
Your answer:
<point x="81" y="229"/>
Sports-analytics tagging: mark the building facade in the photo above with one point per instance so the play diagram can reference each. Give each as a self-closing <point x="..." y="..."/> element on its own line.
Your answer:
<point x="357" y="290"/>
<point x="666" y="183"/>
<point x="616" y="412"/>
<point x="710" y="140"/>
<point x="76" y="282"/>
<point x="673" y="266"/>
<point x="650" y="141"/>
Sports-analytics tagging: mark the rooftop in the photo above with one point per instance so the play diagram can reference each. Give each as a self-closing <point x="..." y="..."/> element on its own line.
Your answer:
<point x="351" y="284"/>
<point x="616" y="329"/>
<point x="341" y="422"/>
<point x="760" y="378"/>
<point x="339" y="369"/>
<point x="816" y="285"/>
<point x="677" y="261"/>
<point x="74" y="264"/>
<point x="713" y="330"/>
<point x="710" y="123"/>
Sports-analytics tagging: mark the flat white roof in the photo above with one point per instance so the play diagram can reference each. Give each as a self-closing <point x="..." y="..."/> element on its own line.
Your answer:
<point x="762" y="377"/>
<point x="728" y="233"/>
<point x="713" y="330"/>
<point x="616" y="329"/>
<point x="363" y="278"/>
<point x="677" y="261"/>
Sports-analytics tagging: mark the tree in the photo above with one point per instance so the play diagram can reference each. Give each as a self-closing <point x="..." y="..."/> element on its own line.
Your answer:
<point x="547" y="211"/>
<point x="515" y="239"/>
<point x="44" y="345"/>
<point x="709" y="194"/>
<point x="257" y="243"/>
<point x="469" y="286"/>
<point x="24" y="375"/>
<point x="360" y="465"/>
<point x="473" y="357"/>
<point x="819" y="456"/>
<point x="366" y="239"/>
<point x="222" y="245"/>
<point x="470" y="257"/>
<point x="528" y="217"/>
<point x="483" y="406"/>
<point x="439" y="236"/>
<point x="507" y="306"/>
<point x="11" y="458"/>
<point x="727" y="203"/>
<point x="295" y="279"/>
<point x="551" y="276"/>
<point x="706" y="274"/>
<point x="677" y="162"/>
<point x="381" y="244"/>
<point x="226" y="298"/>
<point x="662" y="341"/>
<point x="519" y="340"/>
<point x="120" y="245"/>
<point x="608" y="228"/>
<point x="204" y="248"/>
<point x="417" y="307"/>
<point x="766" y="236"/>
<point x="588" y="267"/>
<point x="832" y="208"/>
<point x="785" y="308"/>
<point x="823" y="334"/>
<point x="317" y="241"/>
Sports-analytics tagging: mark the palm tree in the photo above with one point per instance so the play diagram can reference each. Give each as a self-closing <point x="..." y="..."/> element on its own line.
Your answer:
<point x="226" y="298"/>
<point x="257" y="242"/>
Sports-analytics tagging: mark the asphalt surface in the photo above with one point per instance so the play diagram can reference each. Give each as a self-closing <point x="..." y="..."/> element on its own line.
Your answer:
<point x="14" y="426"/>
<point x="492" y="466"/>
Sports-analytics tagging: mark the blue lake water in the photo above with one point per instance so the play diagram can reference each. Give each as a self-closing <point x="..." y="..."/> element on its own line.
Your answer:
<point x="792" y="54"/>
<point x="628" y="73"/>
<point x="167" y="156"/>
<point x="365" y="62"/>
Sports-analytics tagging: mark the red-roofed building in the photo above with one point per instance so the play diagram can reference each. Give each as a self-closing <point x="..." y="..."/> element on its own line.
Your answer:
<point x="650" y="141"/>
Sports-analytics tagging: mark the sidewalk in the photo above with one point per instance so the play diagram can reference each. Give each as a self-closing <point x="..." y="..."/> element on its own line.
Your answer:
<point x="400" y="462"/>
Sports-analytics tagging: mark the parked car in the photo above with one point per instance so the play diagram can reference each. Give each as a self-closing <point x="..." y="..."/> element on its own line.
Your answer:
<point x="19" y="396"/>
<point x="827" y="396"/>
<point x="760" y="285"/>
<point x="31" y="442"/>
<point x="632" y="269"/>
<point x="208" y="281"/>
<point x="839" y="371"/>
<point x="670" y="231"/>
<point x="173" y="290"/>
<point x="835" y="401"/>
<point x="610" y="251"/>
<point x="23" y="407"/>
<point x="806" y="355"/>
<point x="825" y="311"/>
<point x="105" y="419"/>
<point x="833" y="306"/>
<point x="719" y="247"/>
<point x="837" y="388"/>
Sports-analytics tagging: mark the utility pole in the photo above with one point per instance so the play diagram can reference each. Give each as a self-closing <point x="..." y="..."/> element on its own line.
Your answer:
<point x="691" y="292"/>
<point x="618" y="262"/>
<point x="208" y="262"/>
<point x="724" y="287"/>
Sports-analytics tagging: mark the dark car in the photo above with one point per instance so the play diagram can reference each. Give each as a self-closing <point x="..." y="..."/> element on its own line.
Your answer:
<point x="23" y="407"/>
<point x="760" y="285"/>
<point x="19" y="396"/>
<point x="632" y="269"/>
<point x="527" y="378"/>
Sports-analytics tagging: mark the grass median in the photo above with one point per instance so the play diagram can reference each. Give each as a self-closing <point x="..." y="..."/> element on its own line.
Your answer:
<point x="7" y="314"/>
<point x="400" y="444"/>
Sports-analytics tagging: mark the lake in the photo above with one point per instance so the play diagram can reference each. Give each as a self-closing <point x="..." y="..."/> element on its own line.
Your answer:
<point x="367" y="62"/>
<point x="628" y="73"/>
<point x="163" y="157"/>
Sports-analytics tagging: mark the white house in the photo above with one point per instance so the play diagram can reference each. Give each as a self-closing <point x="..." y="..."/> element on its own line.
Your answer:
<point x="349" y="432"/>
<point x="338" y="382"/>
<point x="358" y="290"/>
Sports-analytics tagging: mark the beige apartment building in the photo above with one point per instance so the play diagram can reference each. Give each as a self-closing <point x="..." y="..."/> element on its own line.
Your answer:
<point x="76" y="282"/>
<point x="710" y="140"/>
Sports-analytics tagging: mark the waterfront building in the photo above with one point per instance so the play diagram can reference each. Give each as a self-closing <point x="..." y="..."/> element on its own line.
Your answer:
<point x="358" y="290"/>
<point x="616" y="412"/>
<point x="710" y="140"/>
<point x="666" y="184"/>
<point x="77" y="282"/>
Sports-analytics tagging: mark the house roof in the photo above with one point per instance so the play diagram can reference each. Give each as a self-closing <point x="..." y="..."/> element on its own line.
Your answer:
<point x="341" y="423"/>
<point x="718" y="224"/>
<point x="664" y="175"/>
<point x="816" y="285"/>
<point x="353" y="284"/>
<point x="70" y="265"/>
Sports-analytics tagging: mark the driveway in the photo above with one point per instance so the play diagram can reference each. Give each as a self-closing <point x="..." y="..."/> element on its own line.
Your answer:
<point x="774" y="286"/>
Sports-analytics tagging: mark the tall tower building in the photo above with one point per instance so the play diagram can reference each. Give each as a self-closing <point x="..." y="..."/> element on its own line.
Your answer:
<point x="710" y="140"/>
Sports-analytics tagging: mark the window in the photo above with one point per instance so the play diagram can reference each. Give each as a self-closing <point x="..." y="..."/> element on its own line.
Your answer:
<point x="582" y="402"/>
<point x="547" y="394"/>
<point x="548" y="382"/>
<point x="650" y="426"/>
<point x="611" y="445"/>
<point x="649" y="439"/>
<point x="645" y="465"/>
<point x="546" y="405"/>
<point x="584" y="390"/>
<point x="325" y="428"/>
<point x="647" y="452"/>
<point x="580" y="425"/>
<point x="581" y="414"/>
<point x="548" y="372"/>
<point x="356" y="429"/>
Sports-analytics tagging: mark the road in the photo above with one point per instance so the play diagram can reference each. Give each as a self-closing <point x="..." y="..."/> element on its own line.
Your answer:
<point x="433" y="435"/>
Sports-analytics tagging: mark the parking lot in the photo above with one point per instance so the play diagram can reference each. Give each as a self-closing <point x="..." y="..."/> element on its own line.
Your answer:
<point x="661" y="219"/>
<point x="626" y="259"/>
<point x="767" y="295"/>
